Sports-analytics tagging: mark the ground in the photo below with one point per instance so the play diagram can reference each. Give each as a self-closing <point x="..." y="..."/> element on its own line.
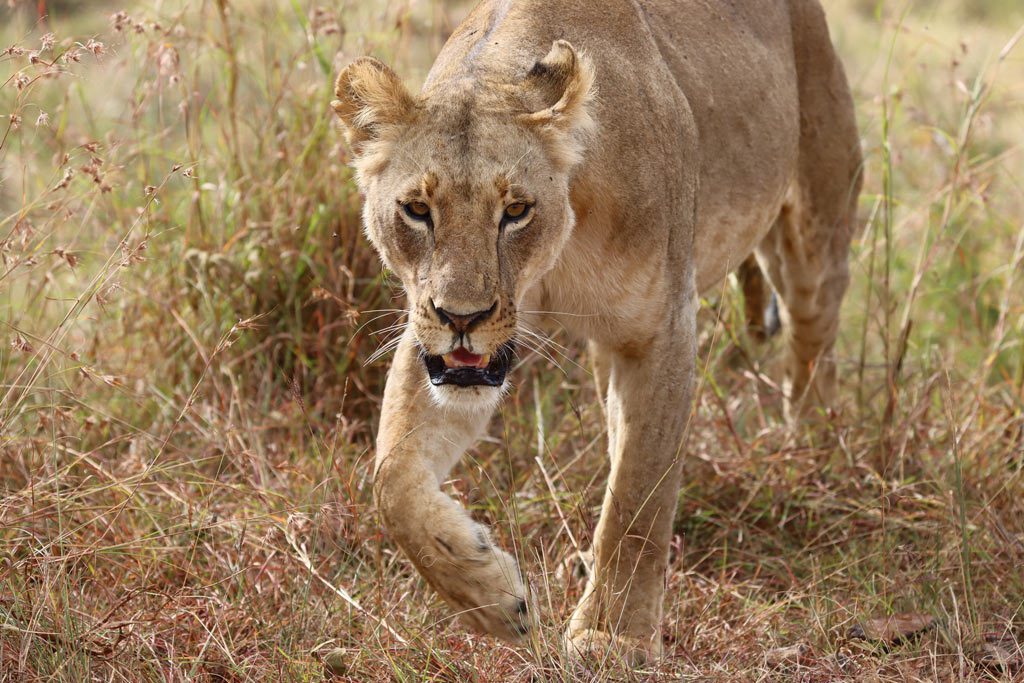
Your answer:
<point x="188" y="308"/>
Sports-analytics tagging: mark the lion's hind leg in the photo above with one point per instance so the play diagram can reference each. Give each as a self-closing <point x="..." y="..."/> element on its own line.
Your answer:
<point x="806" y="253"/>
<point x="809" y="269"/>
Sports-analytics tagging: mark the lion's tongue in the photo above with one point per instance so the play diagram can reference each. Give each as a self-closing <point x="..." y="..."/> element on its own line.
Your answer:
<point x="461" y="358"/>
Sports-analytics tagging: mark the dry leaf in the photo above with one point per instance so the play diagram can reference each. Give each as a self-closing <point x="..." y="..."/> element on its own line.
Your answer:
<point x="337" y="663"/>
<point x="892" y="629"/>
<point x="1000" y="652"/>
<point x="787" y="655"/>
<point x="576" y="567"/>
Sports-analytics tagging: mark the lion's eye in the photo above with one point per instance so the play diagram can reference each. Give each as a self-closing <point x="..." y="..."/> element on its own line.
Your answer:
<point x="418" y="211"/>
<point x="514" y="212"/>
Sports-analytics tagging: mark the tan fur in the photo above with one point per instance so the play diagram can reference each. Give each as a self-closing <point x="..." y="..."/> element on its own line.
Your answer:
<point x="660" y="143"/>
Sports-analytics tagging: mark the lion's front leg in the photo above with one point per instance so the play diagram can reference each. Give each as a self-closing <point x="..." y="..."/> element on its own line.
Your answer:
<point x="648" y="408"/>
<point x="417" y="444"/>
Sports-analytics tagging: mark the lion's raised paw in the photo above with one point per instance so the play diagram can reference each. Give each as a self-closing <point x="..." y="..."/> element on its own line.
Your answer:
<point x="485" y="589"/>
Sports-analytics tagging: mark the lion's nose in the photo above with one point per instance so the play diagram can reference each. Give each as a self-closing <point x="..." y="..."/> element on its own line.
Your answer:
<point x="463" y="322"/>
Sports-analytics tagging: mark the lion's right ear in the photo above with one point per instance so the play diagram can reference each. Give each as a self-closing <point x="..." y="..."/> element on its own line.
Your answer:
<point x="371" y="100"/>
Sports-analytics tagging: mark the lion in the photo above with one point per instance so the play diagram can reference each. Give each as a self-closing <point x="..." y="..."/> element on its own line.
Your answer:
<point x="603" y="161"/>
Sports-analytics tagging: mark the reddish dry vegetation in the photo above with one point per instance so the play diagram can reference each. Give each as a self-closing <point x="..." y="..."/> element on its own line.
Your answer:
<point x="186" y="415"/>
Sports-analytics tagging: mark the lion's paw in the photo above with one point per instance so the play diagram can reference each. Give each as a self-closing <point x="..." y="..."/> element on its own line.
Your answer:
<point x="482" y="583"/>
<point x="595" y="647"/>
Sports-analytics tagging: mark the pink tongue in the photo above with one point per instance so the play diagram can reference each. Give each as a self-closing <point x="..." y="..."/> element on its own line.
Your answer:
<point x="463" y="356"/>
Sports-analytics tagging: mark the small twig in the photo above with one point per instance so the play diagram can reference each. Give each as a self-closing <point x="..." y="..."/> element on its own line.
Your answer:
<point x="303" y="557"/>
<point x="558" y="508"/>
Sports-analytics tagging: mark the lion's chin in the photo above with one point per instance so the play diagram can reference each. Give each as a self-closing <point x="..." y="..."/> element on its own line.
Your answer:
<point x="470" y="399"/>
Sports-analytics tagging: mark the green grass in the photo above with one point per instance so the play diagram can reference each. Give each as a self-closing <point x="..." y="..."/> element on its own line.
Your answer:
<point x="187" y="416"/>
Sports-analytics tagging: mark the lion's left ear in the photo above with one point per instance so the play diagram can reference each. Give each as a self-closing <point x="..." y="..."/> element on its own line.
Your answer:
<point x="563" y="83"/>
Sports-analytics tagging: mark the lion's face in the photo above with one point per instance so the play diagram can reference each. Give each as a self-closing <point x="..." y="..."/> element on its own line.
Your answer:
<point x="466" y="198"/>
<point x="469" y="220"/>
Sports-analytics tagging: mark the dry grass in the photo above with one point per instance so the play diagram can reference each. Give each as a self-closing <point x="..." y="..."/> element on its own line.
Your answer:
<point x="186" y="419"/>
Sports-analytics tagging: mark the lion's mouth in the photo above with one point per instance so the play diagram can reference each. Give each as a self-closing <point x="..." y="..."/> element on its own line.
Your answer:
<point x="465" y="369"/>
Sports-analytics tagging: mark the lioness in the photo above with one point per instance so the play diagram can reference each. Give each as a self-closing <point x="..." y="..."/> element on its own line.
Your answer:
<point x="603" y="161"/>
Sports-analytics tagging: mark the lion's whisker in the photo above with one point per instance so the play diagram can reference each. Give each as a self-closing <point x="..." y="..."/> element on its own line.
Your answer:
<point x="566" y="313"/>
<point x="525" y="342"/>
<point x="373" y="319"/>
<point x="556" y="347"/>
<point x="546" y="338"/>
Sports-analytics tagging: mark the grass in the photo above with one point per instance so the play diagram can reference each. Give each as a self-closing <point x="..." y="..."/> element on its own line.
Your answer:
<point x="186" y="415"/>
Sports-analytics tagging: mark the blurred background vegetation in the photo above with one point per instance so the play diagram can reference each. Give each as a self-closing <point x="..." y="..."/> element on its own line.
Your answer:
<point x="186" y="415"/>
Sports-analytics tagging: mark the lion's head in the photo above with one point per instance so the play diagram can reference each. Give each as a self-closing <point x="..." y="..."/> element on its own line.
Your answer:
<point x="466" y="198"/>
